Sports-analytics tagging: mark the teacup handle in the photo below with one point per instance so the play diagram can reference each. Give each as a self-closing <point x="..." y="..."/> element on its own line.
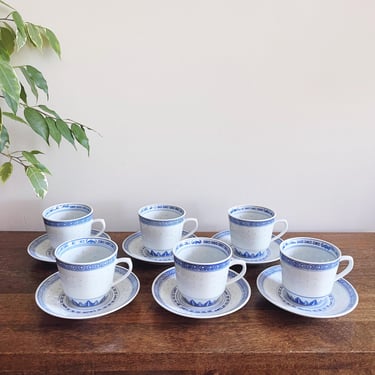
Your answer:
<point x="101" y="231"/>
<point x="241" y="263"/>
<point x="195" y="221"/>
<point x="285" y="222"/>
<point x="129" y="262"/>
<point x="348" y="268"/>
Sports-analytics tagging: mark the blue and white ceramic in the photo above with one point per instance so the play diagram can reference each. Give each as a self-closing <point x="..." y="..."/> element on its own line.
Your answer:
<point x="202" y="265"/>
<point x="50" y="297"/>
<point x="162" y="226"/>
<point x="133" y="246"/>
<point x="41" y="249"/>
<point x="309" y="269"/>
<point x="341" y="301"/>
<point x="272" y="253"/>
<point x="66" y="221"/>
<point x="86" y="268"/>
<point x="251" y="229"/>
<point x="167" y="295"/>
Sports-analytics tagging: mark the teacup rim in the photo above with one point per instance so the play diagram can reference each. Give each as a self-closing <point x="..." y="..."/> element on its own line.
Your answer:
<point x="161" y="205"/>
<point x="61" y="205"/>
<point x="311" y="239"/>
<point x="255" y="208"/>
<point x="205" y="239"/>
<point x="97" y="240"/>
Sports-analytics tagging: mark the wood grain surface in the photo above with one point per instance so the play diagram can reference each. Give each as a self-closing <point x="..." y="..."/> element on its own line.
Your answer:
<point x="143" y="338"/>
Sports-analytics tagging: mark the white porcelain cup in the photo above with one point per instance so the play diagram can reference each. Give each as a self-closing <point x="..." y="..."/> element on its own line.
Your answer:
<point x="87" y="267"/>
<point x="309" y="269"/>
<point x="66" y="221"/>
<point x="251" y="229"/>
<point x="202" y="265"/>
<point x="162" y="226"/>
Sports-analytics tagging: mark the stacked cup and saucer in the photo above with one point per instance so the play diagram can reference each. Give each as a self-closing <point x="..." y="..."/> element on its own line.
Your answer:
<point x="251" y="234"/>
<point x="307" y="281"/>
<point x="89" y="282"/>
<point x="161" y="227"/>
<point x="201" y="284"/>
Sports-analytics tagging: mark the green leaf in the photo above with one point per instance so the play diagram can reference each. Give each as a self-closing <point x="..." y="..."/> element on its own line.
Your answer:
<point x="10" y="85"/>
<point x="23" y="95"/>
<point x="48" y="110"/>
<point x="4" y="56"/>
<point x="5" y="171"/>
<point x="34" y="35"/>
<point x="37" y="122"/>
<point x="38" y="181"/>
<point x="21" y="35"/>
<point x="80" y="135"/>
<point x="53" y="131"/>
<point x="31" y="158"/>
<point x="37" y="77"/>
<point x="4" y="138"/>
<point x="8" y="39"/>
<point x="14" y="117"/>
<point x="11" y="103"/>
<point x="63" y="128"/>
<point x="53" y="41"/>
<point x="30" y="81"/>
<point x="19" y="23"/>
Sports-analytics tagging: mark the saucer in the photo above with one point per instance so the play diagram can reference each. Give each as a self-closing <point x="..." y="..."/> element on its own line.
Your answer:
<point x="51" y="299"/>
<point x="166" y="294"/>
<point x="341" y="301"/>
<point x="272" y="253"/>
<point x="133" y="246"/>
<point x="41" y="249"/>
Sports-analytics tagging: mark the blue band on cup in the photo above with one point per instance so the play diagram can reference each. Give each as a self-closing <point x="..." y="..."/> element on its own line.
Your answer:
<point x="161" y="222"/>
<point x="313" y="243"/>
<point x="82" y="242"/>
<point x="251" y="222"/>
<point x="86" y="216"/>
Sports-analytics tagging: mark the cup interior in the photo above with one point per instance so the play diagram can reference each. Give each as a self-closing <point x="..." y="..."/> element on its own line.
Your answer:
<point x="310" y="254"/>
<point x="198" y="251"/>
<point x="251" y="213"/>
<point x="202" y="254"/>
<point x="86" y="254"/>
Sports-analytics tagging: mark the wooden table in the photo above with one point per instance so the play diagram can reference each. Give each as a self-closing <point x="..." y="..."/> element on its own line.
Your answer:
<point x="143" y="338"/>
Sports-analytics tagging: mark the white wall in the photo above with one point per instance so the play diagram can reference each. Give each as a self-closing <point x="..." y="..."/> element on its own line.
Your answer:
<point x="207" y="104"/>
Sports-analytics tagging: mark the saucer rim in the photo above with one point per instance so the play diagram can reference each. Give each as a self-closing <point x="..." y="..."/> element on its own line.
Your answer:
<point x="135" y="284"/>
<point x="278" y="302"/>
<point x="188" y="314"/>
<point x="267" y="260"/>
<point x="44" y="237"/>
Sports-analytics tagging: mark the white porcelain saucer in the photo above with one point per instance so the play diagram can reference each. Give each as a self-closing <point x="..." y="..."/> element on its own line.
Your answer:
<point x="272" y="254"/>
<point x="166" y="294"/>
<point x="41" y="249"/>
<point x="133" y="246"/>
<point x="341" y="301"/>
<point x="51" y="299"/>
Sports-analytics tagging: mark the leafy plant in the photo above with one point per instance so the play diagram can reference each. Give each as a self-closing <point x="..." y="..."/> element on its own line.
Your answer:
<point x="17" y="85"/>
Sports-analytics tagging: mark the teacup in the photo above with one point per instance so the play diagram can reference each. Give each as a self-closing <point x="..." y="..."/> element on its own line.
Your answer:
<point x="309" y="269"/>
<point x="162" y="226"/>
<point x="86" y="268"/>
<point x="66" y="221"/>
<point x="202" y="265"/>
<point x="251" y="229"/>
